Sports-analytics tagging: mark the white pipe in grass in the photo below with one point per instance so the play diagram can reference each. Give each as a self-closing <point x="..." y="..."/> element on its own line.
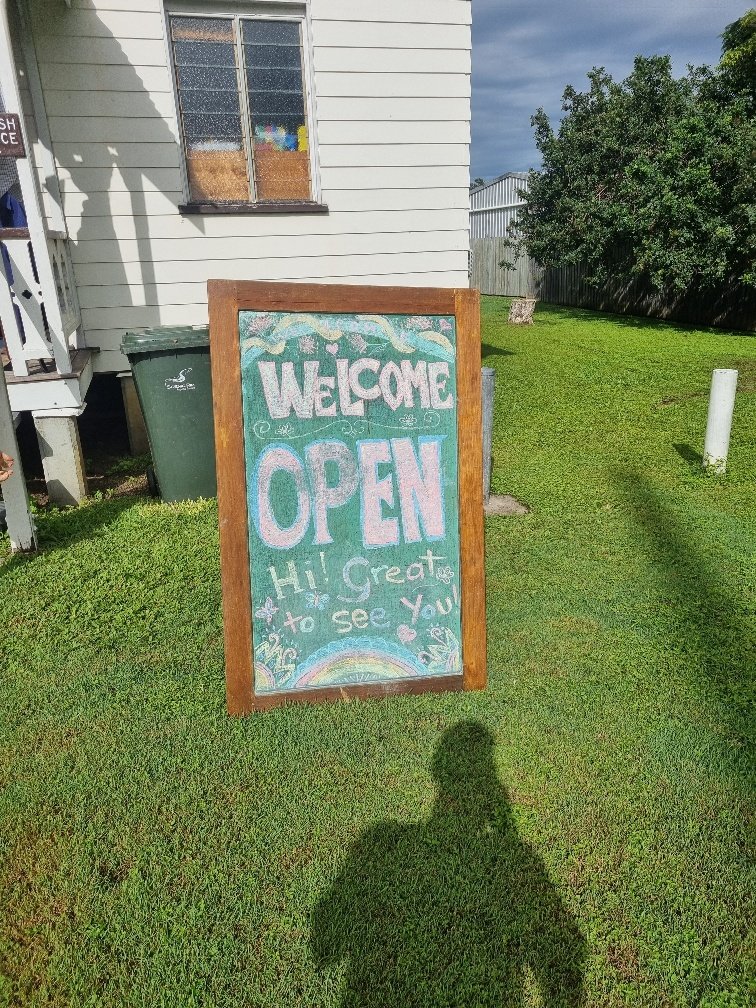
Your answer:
<point x="487" y="411"/>
<point x="719" y="421"/>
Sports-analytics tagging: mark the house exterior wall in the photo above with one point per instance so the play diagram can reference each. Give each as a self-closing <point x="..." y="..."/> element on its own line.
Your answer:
<point x="392" y="98"/>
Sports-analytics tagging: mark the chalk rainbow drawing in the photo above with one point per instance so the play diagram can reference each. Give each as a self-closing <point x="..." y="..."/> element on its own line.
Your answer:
<point x="353" y="660"/>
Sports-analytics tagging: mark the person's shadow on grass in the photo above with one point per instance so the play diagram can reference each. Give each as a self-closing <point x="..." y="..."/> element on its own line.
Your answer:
<point x="456" y="911"/>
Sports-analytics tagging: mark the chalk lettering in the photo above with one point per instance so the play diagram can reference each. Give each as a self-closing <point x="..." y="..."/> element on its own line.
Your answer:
<point x="311" y="394"/>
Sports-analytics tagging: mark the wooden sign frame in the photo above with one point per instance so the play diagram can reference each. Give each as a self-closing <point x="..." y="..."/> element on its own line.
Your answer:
<point x="226" y="300"/>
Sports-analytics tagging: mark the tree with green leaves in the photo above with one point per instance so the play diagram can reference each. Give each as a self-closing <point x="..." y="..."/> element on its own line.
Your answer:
<point x="652" y="178"/>
<point x="739" y="53"/>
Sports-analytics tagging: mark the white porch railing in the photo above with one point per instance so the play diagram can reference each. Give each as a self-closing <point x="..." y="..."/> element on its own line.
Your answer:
<point x="38" y="305"/>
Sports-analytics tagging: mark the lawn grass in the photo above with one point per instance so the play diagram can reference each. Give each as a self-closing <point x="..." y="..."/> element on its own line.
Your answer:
<point x="594" y="807"/>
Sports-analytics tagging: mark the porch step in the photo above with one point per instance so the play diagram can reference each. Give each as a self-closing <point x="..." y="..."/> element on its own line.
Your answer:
<point x="79" y="361"/>
<point x="50" y="390"/>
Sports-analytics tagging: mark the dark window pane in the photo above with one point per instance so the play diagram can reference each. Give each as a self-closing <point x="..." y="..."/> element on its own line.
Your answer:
<point x="204" y="54"/>
<point x="266" y="103"/>
<point x="274" y="80"/>
<point x="209" y="78"/>
<point x="202" y="29"/>
<point x="269" y="57"/>
<point x="211" y="127"/>
<point x="218" y="102"/>
<point x="270" y="33"/>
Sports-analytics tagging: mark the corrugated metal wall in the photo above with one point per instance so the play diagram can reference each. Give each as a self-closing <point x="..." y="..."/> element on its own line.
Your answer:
<point x="494" y="206"/>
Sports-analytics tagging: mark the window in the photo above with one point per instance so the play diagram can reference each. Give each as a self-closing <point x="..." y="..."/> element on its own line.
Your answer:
<point x="243" y="107"/>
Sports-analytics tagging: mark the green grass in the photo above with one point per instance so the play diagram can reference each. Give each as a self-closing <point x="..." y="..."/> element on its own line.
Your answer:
<point x="594" y="806"/>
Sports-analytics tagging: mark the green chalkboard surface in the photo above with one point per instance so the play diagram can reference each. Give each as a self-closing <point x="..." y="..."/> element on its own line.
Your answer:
<point x="350" y="452"/>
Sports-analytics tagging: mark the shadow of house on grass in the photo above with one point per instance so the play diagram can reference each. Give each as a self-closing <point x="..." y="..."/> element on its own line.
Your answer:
<point x="489" y="350"/>
<point x="710" y="623"/>
<point x="62" y="529"/>
<point x="457" y="910"/>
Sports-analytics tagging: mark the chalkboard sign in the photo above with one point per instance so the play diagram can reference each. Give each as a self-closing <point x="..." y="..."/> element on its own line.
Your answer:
<point x="349" y="490"/>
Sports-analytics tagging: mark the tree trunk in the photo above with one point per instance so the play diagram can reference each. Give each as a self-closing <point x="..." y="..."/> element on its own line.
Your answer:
<point x="521" y="310"/>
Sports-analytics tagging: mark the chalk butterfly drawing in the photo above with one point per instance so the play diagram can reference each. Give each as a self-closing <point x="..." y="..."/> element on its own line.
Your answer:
<point x="317" y="601"/>
<point x="267" y="611"/>
<point x="307" y="344"/>
<point x="445" y="574"/>
<point x="358" y="342"/>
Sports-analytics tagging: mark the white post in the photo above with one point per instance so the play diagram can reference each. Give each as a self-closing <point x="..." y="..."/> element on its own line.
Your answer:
<point x="487" y="384"/>
<point x="724" y="381"/>
<point x="23" y="535"/>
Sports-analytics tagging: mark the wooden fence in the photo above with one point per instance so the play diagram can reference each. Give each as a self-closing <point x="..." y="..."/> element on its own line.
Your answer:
<point x="731" y="306"/>
<point x="490" y="278"/>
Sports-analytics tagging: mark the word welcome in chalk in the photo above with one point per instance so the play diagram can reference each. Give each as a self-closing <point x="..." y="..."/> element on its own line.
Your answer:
<point x="330" y="474"/>
<point x="345" y="394"/>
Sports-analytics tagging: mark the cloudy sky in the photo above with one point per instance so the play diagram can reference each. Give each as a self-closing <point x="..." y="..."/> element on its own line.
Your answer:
<point x="526" y="51"/>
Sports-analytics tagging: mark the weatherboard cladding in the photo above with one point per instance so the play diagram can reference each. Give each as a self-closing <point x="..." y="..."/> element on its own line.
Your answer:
<point x="392" y="87"/>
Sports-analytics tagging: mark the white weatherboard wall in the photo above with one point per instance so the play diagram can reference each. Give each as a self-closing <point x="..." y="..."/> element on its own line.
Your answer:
<point x="392" y="92"/>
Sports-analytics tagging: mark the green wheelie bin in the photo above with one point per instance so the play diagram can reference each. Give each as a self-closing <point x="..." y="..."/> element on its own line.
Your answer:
<point x="171" y="368"/>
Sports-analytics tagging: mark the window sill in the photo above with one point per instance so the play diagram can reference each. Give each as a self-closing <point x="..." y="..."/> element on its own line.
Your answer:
<point x="282" y="207"/>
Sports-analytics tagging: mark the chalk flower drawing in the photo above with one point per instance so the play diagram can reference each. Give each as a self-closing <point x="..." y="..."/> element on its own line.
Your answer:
<point x="317" y="601"/>
<point x="274" y="661"/>
<point x="419" y="322"/>
<point x="445" y="325"/>
<point x="442" y="655"/>
<point x="307" y="344"/>
<point x="408" y="421"/>
<point x="267" y="611"/>
<point x="285" y="430"/>
<point x="445" y="574"/>
<point x="257" y="323"/>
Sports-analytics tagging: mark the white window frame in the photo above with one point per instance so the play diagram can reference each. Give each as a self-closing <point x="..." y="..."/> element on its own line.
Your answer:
<point x="267" y="10"/>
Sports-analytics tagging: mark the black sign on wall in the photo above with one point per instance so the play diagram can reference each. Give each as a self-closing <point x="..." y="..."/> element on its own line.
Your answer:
<point x="11" y="138"/>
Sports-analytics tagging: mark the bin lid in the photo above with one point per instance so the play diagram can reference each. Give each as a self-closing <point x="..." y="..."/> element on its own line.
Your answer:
<point x="165" y="338"/>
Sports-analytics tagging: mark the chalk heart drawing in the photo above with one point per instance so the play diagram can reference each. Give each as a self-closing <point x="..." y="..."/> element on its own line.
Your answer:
<point x="405" y="634"/>
<point x="332" y="348"/>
